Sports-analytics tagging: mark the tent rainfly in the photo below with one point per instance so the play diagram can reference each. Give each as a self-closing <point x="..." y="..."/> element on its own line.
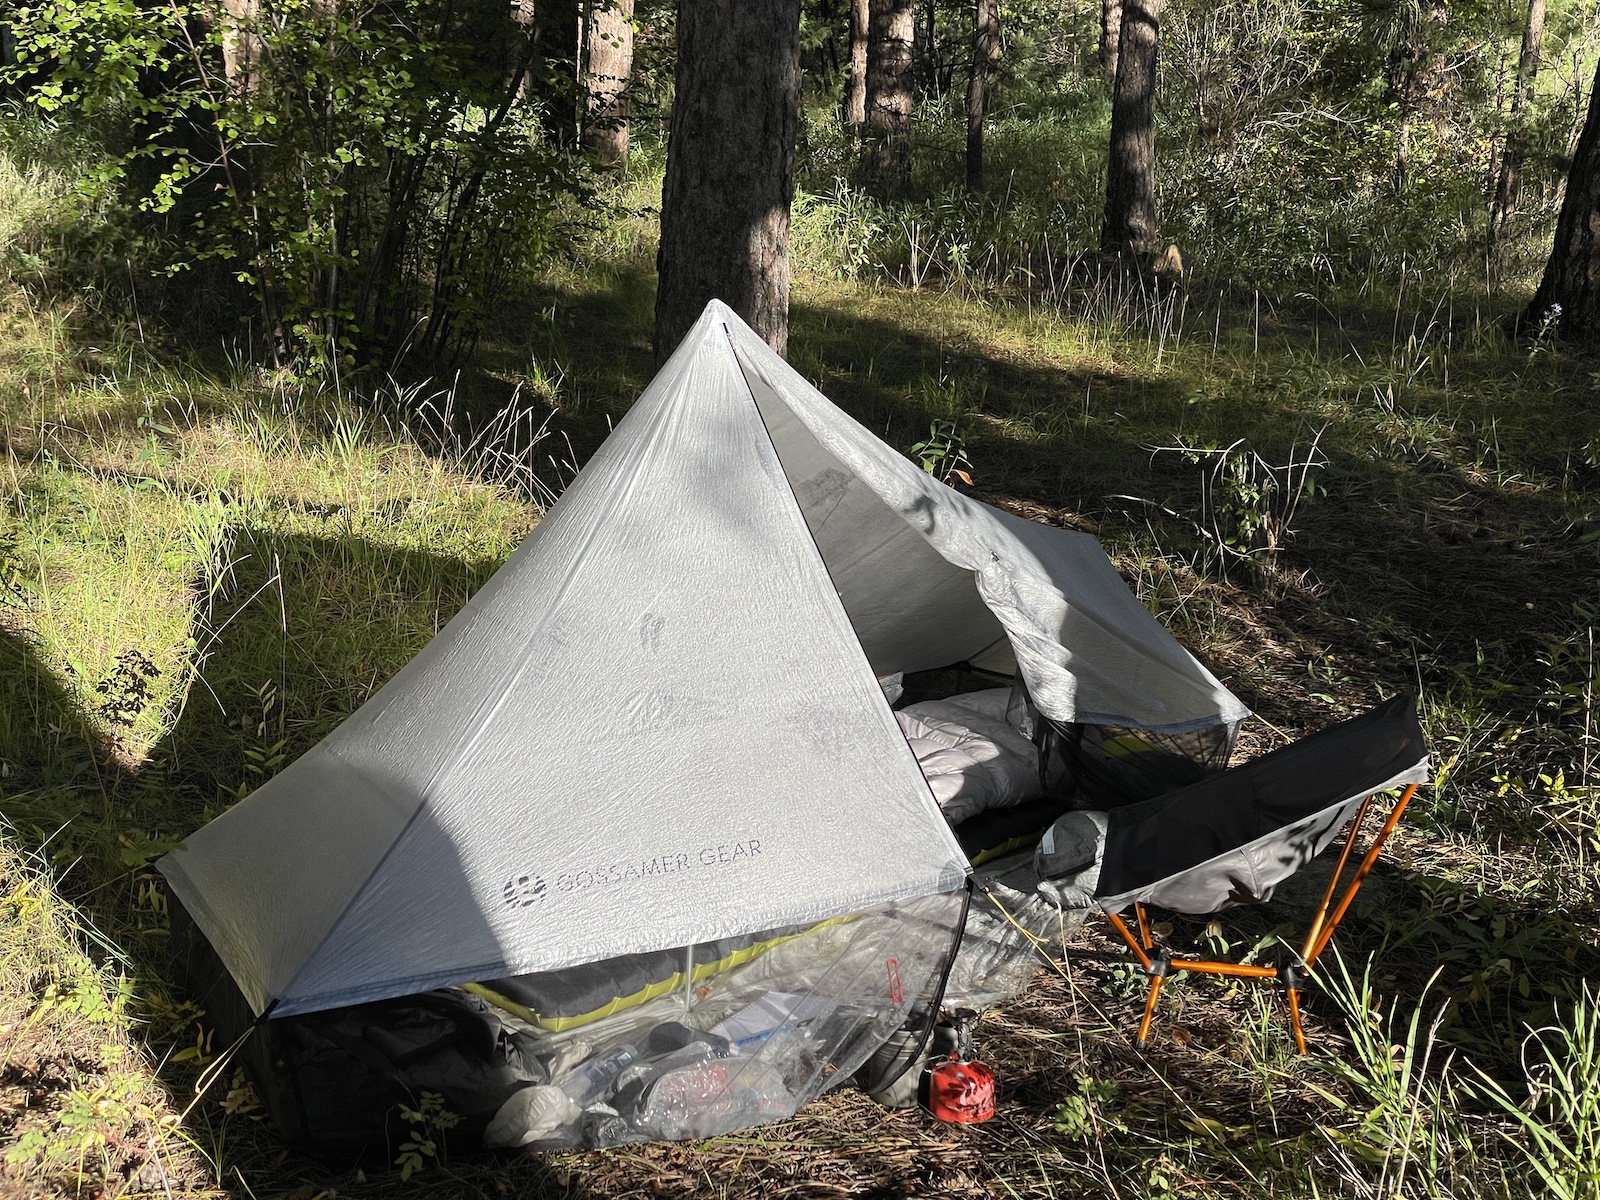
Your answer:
<point x="660" y="723"/>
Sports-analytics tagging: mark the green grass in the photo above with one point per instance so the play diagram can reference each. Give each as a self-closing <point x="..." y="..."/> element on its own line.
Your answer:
<point x="72" y="1031"/>
<point x="202" y="571"/>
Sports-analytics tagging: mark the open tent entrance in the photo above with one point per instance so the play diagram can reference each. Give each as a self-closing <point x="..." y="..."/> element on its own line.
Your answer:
<point x="910" y="608"/>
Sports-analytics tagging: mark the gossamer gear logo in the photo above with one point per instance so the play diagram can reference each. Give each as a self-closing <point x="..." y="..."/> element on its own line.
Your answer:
<point x="521" y="891"/>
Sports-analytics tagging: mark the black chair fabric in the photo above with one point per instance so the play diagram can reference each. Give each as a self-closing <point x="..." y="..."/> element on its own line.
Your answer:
<point x="1157" y="839"/>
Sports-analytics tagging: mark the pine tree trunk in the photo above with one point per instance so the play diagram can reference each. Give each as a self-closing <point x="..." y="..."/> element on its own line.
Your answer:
<point x="523" y="16"/>
<point x="890" y="45"/>
<point x="1110" y="35"/>
<point x="610" y="69"/>
<point x="855" y="96"/>
<point x="1572" y="276"/>
<point x="1511" y="155"/>
<point x="730" y="168"/>
<point x="1130" y="219"/>
<point x="985" y="53"/>
<point x="557" y="28"/>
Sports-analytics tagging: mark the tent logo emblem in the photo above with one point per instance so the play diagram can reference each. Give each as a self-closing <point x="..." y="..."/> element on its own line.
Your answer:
<point x="523" y="890"/>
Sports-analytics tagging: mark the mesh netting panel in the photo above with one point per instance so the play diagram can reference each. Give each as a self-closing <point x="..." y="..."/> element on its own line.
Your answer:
<point x="1011" y="931"/>
<point x="1114" y="765"/>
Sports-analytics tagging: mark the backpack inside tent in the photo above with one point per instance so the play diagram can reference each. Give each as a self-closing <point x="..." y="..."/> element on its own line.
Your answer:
<point x="637" y="847"/>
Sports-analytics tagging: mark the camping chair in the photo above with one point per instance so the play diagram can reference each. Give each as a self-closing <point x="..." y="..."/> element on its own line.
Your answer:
<point x="1232" y="838"/>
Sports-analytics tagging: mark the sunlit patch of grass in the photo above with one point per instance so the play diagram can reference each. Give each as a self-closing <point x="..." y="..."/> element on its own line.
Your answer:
<point x="81" y="1108"/>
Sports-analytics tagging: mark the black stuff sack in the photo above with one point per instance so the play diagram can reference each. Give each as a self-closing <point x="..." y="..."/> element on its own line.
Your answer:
<point x="339" y="1083"/>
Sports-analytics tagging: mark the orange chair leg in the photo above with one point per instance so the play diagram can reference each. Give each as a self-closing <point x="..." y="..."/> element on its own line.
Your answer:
<point x="1326" y="934"/>
<point x="1121" y="927"/>
<point x="1294" y="1021"/>
<point x="1333" y="881"/>
<point x="1143" y="1040"/>
<point x="1156" y="968"/>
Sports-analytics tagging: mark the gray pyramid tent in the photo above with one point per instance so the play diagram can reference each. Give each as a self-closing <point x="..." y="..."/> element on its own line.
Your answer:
<point x="660" y="723"/>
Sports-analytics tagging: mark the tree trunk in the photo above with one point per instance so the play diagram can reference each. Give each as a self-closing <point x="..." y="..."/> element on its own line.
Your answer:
<point x="610" y="69"/>
<point x="730" y="168"/>
<point x="1511" y="155"/>
<point x="930" y="48"/>
<point x="522" y="14"/>
<point x="1130" y="221"/>
<point x="1568" y="299"/>
<point x="241" y="45"/>
<point x="1110" y="36"/>
<point x="890" y="44"/>
<point x="557" y="28"/>
<point x="985" y="53"/>
<point x="855" y="96"/>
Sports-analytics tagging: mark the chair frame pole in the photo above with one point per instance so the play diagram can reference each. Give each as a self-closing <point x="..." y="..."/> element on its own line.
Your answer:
<point x="1159" y="964"/>
<point x="1333" y="880"/>
<point x="1156" y="968"/>
<point x="1121" y="927"/>
<point x="1325" y="932"/>
<point x="1293" y="994"/>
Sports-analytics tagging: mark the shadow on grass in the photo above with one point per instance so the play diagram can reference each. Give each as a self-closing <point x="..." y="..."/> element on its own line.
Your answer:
<point x="291" y="655"/>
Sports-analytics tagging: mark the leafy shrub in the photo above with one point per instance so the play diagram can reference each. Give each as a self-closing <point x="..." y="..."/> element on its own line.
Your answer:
<point x="376" y="174"/>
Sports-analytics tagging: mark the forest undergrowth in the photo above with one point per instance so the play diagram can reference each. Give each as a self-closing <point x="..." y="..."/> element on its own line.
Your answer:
<point x="205" y="566"/>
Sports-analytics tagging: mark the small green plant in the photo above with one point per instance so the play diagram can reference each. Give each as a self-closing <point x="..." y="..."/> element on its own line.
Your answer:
<point x="88" y="997"/>
<point x="426" y="1122"/>
<point x="266" y="752"/>
<point x="1088" y="1115"/>
<point x="1559" y="1123"/>
<point x="1545" y="335"/>
<point x="943" y="454"/>
<point x="88" y="1120"/>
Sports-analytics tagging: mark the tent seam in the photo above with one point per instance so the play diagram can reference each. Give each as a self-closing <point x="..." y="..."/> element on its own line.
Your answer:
<point x="854" y="638"/>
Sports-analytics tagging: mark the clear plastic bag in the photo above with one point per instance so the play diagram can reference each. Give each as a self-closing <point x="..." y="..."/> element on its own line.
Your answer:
<point x="746" y="1046"/>
<point x="1009" y="931"/>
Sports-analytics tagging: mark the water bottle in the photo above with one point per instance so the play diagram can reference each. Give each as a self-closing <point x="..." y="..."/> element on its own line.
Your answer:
<point x="637" y="1078"/>
<point x="588" y="1081"/>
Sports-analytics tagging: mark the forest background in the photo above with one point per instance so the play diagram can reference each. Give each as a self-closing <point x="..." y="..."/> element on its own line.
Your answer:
<point x="307" y="309"/>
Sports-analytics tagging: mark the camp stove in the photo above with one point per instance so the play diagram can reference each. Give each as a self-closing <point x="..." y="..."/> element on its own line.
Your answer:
<point x="961" y="1090"/>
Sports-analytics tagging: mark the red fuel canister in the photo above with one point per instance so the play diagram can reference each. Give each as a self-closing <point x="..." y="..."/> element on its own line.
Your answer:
<point x="961" y="1091"/>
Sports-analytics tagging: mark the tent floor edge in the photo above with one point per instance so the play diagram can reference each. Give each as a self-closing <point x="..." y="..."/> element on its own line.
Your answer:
<point x="335" y="1092"/>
